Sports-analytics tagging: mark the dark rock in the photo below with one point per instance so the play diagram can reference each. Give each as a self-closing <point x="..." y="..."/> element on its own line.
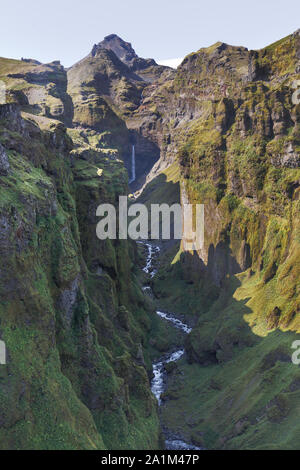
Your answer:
<point x="273" y="318"/>
<point x="290" y="158"/>
<point x="124" y="51"/>
<point x="4" y="163"/>
<point x="67" y="302"/>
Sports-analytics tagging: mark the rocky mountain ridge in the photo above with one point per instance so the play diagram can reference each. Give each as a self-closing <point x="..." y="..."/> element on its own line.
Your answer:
<point x="124" y="52"/>
<point x="225" y="128"/>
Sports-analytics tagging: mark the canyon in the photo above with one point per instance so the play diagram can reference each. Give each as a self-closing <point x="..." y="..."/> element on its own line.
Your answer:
<point x="88" y="323"/>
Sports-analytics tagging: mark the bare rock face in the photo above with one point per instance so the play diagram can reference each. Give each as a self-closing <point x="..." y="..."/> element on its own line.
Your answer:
<point x="146" y="70"/>
<point x="124" y="51"/>
<point x="289" y="158"/>
<point x="41" y="88"/>
<point x="4" y="163"/>
<point x="67" y="302"/>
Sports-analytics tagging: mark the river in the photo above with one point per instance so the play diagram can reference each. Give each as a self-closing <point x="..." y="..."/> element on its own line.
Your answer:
<point x="158" y="384"/>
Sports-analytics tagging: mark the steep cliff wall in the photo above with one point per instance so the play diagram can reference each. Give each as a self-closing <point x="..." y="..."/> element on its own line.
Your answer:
<point x="73" y="318"/>
<point x="231" y="124"/>
<point x="226" y="126"/>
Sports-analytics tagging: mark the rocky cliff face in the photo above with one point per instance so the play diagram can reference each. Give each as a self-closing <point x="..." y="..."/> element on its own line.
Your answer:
<point x="107" y="90"/>
<point x="224" y="126"/>
<point x="38" y="88"/>
<point x="147" y="69"/>
<point x="73" y="317"/>
<point x="228" y="119"/>
<point x="124" y="51"/>
<point x="100" y="93"/>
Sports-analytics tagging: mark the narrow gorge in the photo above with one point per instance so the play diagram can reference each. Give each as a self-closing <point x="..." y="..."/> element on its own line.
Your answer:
<point x="158" y="383"/>
<point x="122" y="344"/>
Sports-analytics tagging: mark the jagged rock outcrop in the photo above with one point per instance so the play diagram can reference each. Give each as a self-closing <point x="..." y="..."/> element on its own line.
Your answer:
<point x="124" y="51"/>
<point x="147" y="69"/>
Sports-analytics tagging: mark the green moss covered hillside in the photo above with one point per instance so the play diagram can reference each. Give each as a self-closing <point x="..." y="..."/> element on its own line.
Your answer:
<point x="81" y="334"/>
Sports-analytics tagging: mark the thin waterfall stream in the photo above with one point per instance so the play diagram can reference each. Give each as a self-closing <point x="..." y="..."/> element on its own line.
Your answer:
<point x="133" y="169"/>
<point x="158" y="384"/>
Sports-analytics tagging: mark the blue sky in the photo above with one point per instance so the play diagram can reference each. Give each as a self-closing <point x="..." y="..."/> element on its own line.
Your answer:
<point x="162" y="29"/>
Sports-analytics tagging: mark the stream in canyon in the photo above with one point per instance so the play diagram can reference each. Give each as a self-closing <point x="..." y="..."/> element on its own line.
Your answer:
<point x="158" y="384"/>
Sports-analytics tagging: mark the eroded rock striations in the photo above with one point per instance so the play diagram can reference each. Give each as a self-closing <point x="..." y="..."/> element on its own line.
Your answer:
<point x="224" y="127"/>
<point x="229" y="126"/>
<point x="72" y="315"/>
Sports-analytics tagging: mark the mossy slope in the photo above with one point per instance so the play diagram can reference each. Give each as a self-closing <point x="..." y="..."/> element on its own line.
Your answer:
<point x="237" y="145"/>
<point x="73" y="317"/>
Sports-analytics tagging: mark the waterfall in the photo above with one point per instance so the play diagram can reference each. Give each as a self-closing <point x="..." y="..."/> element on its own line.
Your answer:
<point x="133" y="172"/>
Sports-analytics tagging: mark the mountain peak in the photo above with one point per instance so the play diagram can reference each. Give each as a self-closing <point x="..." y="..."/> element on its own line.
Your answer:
<point x="124" y="51"/>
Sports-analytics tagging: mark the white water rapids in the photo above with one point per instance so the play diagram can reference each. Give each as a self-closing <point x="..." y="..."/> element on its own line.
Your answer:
<point x="152" y="251"/>
<point x="158" y="384"/>
<point x="177" y="323"/>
